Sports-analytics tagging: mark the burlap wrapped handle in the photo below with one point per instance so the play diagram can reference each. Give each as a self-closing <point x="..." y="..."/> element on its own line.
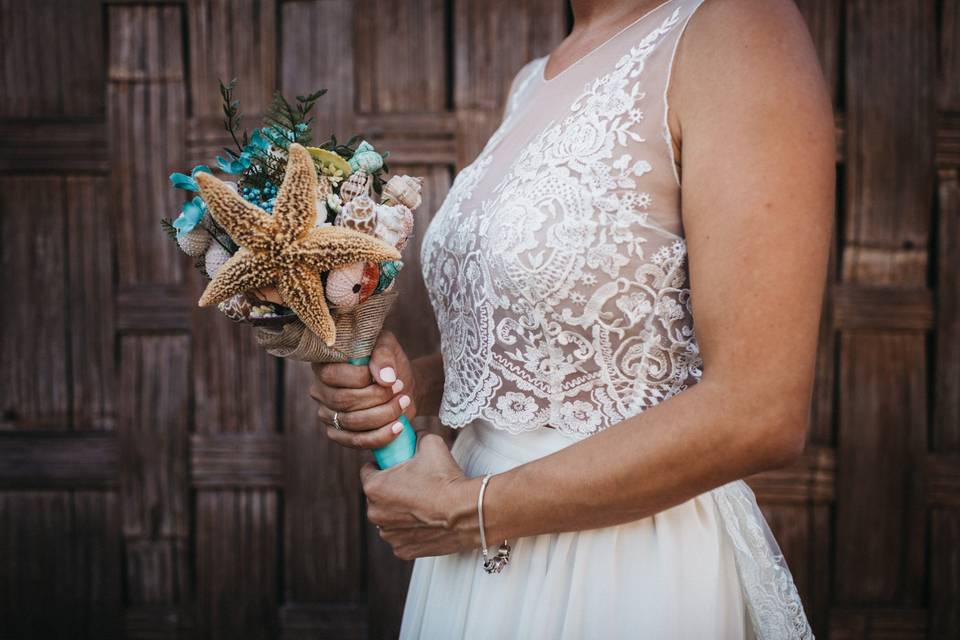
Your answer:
<point x="357" y="331"/>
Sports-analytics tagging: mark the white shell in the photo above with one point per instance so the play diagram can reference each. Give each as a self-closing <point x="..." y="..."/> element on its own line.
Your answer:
<point x="216" y="257"/>
<point x="359" y="214"/>
<point x="358" y="184"/>
<point x="394" y="224"/>
<point x="195" y="241"/>
<point x="403" y="190"/>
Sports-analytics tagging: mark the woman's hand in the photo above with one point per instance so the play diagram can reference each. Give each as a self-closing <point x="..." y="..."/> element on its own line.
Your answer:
<point x="424" y="506"/>
<point x="367" y="401"/>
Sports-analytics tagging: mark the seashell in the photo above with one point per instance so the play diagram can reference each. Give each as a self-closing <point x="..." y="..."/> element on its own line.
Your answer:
<point x="394" y="224"/>
<point x="388" y="273"/>
<point x="366" y="159"/>
<point x="352" y="284"/>
<point x="324" y="188"/>
<point x="195" y="241"/>
<point x="236" y="308"/>
<point x="215" y="258"/>
<point x="359" y="214"/>
<point x="330" y="161"/>
<point x="403" y="190"/>
<point x="324" y="191"/>
<point x="358" y="184"/>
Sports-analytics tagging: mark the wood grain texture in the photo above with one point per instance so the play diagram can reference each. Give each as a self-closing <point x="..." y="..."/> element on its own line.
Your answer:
<point x="944" y="573"/>
<point x="402" y="58"/>
<point x="154" y="420"/>
<point x="484" y="65"/>
<point x="236" y="570"/>
<point x="314" y="39"/>
<point x="945" y="434"/>
<point x="59" y="565"/>
<point x="58" y="459"/>
<point x="948" y="75"/>
<point x="323" y="540"/>
<point x="146" y="110"/>
<point x="52" y="59"/>
<point x="34" y="367"/>
<point x="890" y="61"/>
<point x="232" y="39"/>
<point x="89" y="302"/>
<point x="234" y="381"/>
<point x="882" y="439"/>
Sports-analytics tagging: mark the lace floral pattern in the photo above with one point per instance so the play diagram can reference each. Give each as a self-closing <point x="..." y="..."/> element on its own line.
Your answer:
<point x="776" y="611"/>
<point x="560" y="302"/>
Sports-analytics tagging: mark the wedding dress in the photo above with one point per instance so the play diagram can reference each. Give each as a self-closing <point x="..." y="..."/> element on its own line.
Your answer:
<point x="556" y="267"/>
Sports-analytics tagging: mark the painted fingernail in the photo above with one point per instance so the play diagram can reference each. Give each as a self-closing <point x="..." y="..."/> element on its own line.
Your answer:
<point x="397" y="386"/>
<point x="387" y="374"/>
<point x="404" y="402"/>
<point x="397" y="427"/>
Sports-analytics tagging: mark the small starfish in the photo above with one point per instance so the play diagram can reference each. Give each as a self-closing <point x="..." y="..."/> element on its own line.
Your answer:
<point x="285" y="249"/>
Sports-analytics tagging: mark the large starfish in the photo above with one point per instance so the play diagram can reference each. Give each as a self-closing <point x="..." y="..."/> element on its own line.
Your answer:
<point x="285" y="249"/>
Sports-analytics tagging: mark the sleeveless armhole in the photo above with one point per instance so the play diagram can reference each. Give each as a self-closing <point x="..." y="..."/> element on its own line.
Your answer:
<point x="667" y="136"/>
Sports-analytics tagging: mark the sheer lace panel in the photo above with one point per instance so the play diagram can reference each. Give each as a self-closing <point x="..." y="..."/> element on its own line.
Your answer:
<point x="556" y="265"/>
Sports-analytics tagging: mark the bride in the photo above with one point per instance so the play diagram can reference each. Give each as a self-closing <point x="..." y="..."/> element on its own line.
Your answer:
<point x="669" y="167"/>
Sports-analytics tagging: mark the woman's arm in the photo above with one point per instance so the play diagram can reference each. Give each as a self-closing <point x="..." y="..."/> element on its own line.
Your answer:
<point x="758" y="193"/>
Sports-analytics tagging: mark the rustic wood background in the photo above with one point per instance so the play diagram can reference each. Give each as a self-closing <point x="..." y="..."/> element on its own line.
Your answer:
<point x="162" y="478"/>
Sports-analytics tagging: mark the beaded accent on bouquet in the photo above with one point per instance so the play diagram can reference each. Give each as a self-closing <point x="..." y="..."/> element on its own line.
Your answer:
<point x="560" y="283"/>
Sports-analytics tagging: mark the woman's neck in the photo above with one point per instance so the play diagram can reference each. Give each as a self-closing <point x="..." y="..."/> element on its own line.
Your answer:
<point x="600" y="14"/>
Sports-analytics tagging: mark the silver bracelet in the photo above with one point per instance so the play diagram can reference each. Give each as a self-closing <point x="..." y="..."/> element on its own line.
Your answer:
<point x="496" y="563"/>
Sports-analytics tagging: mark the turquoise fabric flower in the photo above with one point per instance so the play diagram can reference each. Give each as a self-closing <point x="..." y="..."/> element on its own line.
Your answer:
<point x="258" y="145"/>
<point x="188" y="182"/>
<point x="190" y="216"/>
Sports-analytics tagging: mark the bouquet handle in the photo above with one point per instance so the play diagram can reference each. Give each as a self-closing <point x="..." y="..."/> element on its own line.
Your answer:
<point x="403" y="446"/>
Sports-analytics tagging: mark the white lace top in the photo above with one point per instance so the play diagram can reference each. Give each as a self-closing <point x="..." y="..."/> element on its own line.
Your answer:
<point x="556" y="265"/>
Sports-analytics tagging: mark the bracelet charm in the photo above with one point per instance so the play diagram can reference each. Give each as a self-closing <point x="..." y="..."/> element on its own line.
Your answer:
<point x="494" y="564"/>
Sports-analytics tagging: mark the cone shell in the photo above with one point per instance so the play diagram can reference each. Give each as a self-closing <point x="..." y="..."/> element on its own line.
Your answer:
<point x="216" y="257"/>
<point x="359" y="214"/>
<point x="195" y="242"/>
<point x="350" y="285"/>
<point x="358" y="184"/>
<point x="403" y="190"/>
<point x="394" y="224"/>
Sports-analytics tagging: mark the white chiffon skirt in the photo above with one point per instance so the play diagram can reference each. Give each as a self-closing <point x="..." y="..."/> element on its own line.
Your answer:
<point x="706" y="568"/>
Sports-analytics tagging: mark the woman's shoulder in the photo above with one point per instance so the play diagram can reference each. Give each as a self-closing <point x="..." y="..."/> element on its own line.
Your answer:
<point x="752" y="52"/>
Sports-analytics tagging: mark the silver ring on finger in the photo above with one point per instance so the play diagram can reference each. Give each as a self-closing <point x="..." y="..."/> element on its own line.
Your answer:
<point x="336" y="421"/>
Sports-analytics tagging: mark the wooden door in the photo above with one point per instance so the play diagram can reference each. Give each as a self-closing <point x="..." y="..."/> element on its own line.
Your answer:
<point x="162" y="478"/>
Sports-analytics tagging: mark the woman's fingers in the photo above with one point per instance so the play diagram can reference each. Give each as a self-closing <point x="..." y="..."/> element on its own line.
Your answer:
<point x="346" y="399"/>
<point x="368" y="419"/>
<point x="373" y="439"/>
<point x="343" y="375"/>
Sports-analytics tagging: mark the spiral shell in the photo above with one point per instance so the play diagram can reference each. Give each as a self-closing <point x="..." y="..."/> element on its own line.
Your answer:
<point x="403" y="190"/>
<point x="358" y="184"/>
<point x="366" y="159"/>
<point x="394" y="224"/>
<point x="215" y="258"/>
<point x="359" y="214"/>
<point x="195" y="241"/>
<point x="388" y="273"/>
<point x="352" y="284"/>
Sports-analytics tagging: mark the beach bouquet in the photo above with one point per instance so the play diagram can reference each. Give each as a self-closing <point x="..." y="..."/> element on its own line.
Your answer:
<point x="303" y="242"/>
